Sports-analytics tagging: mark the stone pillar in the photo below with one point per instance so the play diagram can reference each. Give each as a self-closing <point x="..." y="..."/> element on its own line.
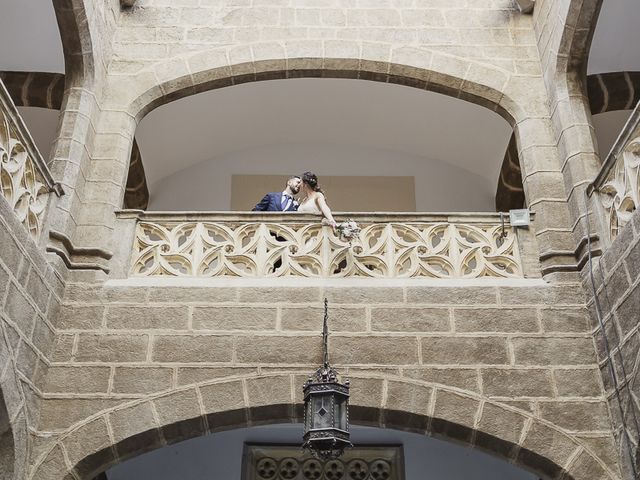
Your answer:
<point x="563" y="30"/>
<point x="86" y="30"/>
<point x="543" y="179"/>
<point x="104" y="187"/>
<point x="577" y="147"/>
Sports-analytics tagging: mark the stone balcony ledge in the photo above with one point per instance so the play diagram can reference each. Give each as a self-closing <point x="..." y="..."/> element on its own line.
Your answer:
<point x="271" y="245"/>
<point x="319" y="282"/>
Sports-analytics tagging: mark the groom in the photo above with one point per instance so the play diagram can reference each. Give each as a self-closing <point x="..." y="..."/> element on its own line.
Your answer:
<point x="281" y="201"/>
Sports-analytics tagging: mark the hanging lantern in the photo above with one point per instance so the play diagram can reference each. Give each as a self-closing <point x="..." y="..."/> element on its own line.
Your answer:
<point x="326" y="407"/>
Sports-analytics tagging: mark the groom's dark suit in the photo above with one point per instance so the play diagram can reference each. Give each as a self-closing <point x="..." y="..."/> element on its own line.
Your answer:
<point x="272" y="202"/>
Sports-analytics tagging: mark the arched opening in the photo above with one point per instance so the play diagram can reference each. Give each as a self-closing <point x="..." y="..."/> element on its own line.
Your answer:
<point x="20" y="50"/>
<point x="33" y="66"/>
<point x="272" y="452"/>
<point x="377" y="146"/>
<point x="504" y="430"/>
<point x="7" y="454"/>
<point x="613" y="70"/>
<point x="39" y="71"/>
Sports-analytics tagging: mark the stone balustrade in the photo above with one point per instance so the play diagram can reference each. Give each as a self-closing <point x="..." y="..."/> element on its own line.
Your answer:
<point x="298" y="245"/>
<point x="618" y="183"/>
<point x="25" y="180"/>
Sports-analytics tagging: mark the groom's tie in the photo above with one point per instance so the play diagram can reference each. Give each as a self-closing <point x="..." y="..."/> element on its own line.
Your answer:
<point x="286" y="202"/>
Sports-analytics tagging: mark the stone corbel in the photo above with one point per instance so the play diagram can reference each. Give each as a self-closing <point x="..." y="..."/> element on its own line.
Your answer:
<point x="526" y="6"/>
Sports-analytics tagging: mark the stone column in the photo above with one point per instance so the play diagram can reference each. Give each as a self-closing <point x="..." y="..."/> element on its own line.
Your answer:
<point x="543" y="180"/>
<point x="86" y="29"/>
<point x="104" y="187"/>
<point x="564" y="30"/>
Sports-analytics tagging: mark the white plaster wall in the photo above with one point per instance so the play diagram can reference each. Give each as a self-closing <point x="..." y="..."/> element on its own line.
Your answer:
<point x="615" y="40"/>
<point x="207" y="185"/>
<point x="42" y="124"/>
<point x="324" y="111"/>
<point x="29" y="37"/>
<point x="219" y="456"/>
<point x="608" y="126"/>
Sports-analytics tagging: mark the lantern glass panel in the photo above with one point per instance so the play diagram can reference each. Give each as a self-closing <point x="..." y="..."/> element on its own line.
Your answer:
<point x="322" y="412"/>
<point x="340" y="420"/>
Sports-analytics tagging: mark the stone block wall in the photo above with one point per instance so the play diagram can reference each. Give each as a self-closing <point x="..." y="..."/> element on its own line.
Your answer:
<point x="30" y="296"/>
<point x="485" y="53"/>
<point x="508" y="369"/>
<point x="617" y="282"/>
<point x="492" y="31"/>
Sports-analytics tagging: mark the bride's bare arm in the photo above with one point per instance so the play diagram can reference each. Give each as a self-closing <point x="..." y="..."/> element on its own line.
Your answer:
<point x="324" y="208"/>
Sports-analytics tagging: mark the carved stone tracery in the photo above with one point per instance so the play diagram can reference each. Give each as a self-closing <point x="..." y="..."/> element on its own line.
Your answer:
<point x="21" y="183"/>
<point x="620" y="192"/>
<point x="262" y="249"/>
<point x="46" y="90"/>
<point x="618" y="182"/>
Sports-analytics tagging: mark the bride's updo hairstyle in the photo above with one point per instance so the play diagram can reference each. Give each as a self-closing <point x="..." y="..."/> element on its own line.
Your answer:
<point x="311" y="179"/>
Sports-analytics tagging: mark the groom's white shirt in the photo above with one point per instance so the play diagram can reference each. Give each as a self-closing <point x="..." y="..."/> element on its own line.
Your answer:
<point x="289" y="201"/>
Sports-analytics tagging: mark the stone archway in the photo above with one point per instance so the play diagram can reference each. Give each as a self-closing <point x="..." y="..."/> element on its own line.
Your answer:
<point x="77" y="42"/>
<point x="488" y="86"/>
<point x="521" y="100"/>
<point x="577" y="35"/>
<point x="112" y="436"/>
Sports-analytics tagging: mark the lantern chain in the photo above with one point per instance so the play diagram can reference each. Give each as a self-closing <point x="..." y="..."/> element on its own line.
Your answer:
<point x="325" y="334"/>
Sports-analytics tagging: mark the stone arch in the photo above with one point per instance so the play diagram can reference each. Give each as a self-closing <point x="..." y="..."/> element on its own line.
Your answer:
<point x="77" y="43"/>
<point x="112" y="436"/>
<point x="46" y="90"/>
<point x="481" y="84"/>
<point x="573" y="52"/>
<point x="521" y="100"/>
<point x="478" y="83"/>
<point x="576" y="37"/>
<point x="606" y="92"/>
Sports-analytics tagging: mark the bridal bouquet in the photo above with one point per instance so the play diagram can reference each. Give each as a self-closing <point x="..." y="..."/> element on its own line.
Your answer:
<point x="348" y="230"/>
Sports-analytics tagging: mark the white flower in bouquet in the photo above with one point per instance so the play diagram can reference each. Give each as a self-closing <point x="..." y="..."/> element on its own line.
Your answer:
<point x="348" y="230"/>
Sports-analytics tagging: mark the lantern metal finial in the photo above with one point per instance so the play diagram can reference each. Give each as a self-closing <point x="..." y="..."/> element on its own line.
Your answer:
<point x="326" y="406"/>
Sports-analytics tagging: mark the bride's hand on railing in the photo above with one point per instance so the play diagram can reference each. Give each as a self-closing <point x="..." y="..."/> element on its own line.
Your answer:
<point x="330" y="223"/>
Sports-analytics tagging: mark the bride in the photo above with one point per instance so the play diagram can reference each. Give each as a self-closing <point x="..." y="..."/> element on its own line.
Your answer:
<point x="313" y="200"/>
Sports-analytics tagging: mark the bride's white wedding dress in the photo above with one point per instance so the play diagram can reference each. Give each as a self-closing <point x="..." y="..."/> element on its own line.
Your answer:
<point x="309" y="206"/>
